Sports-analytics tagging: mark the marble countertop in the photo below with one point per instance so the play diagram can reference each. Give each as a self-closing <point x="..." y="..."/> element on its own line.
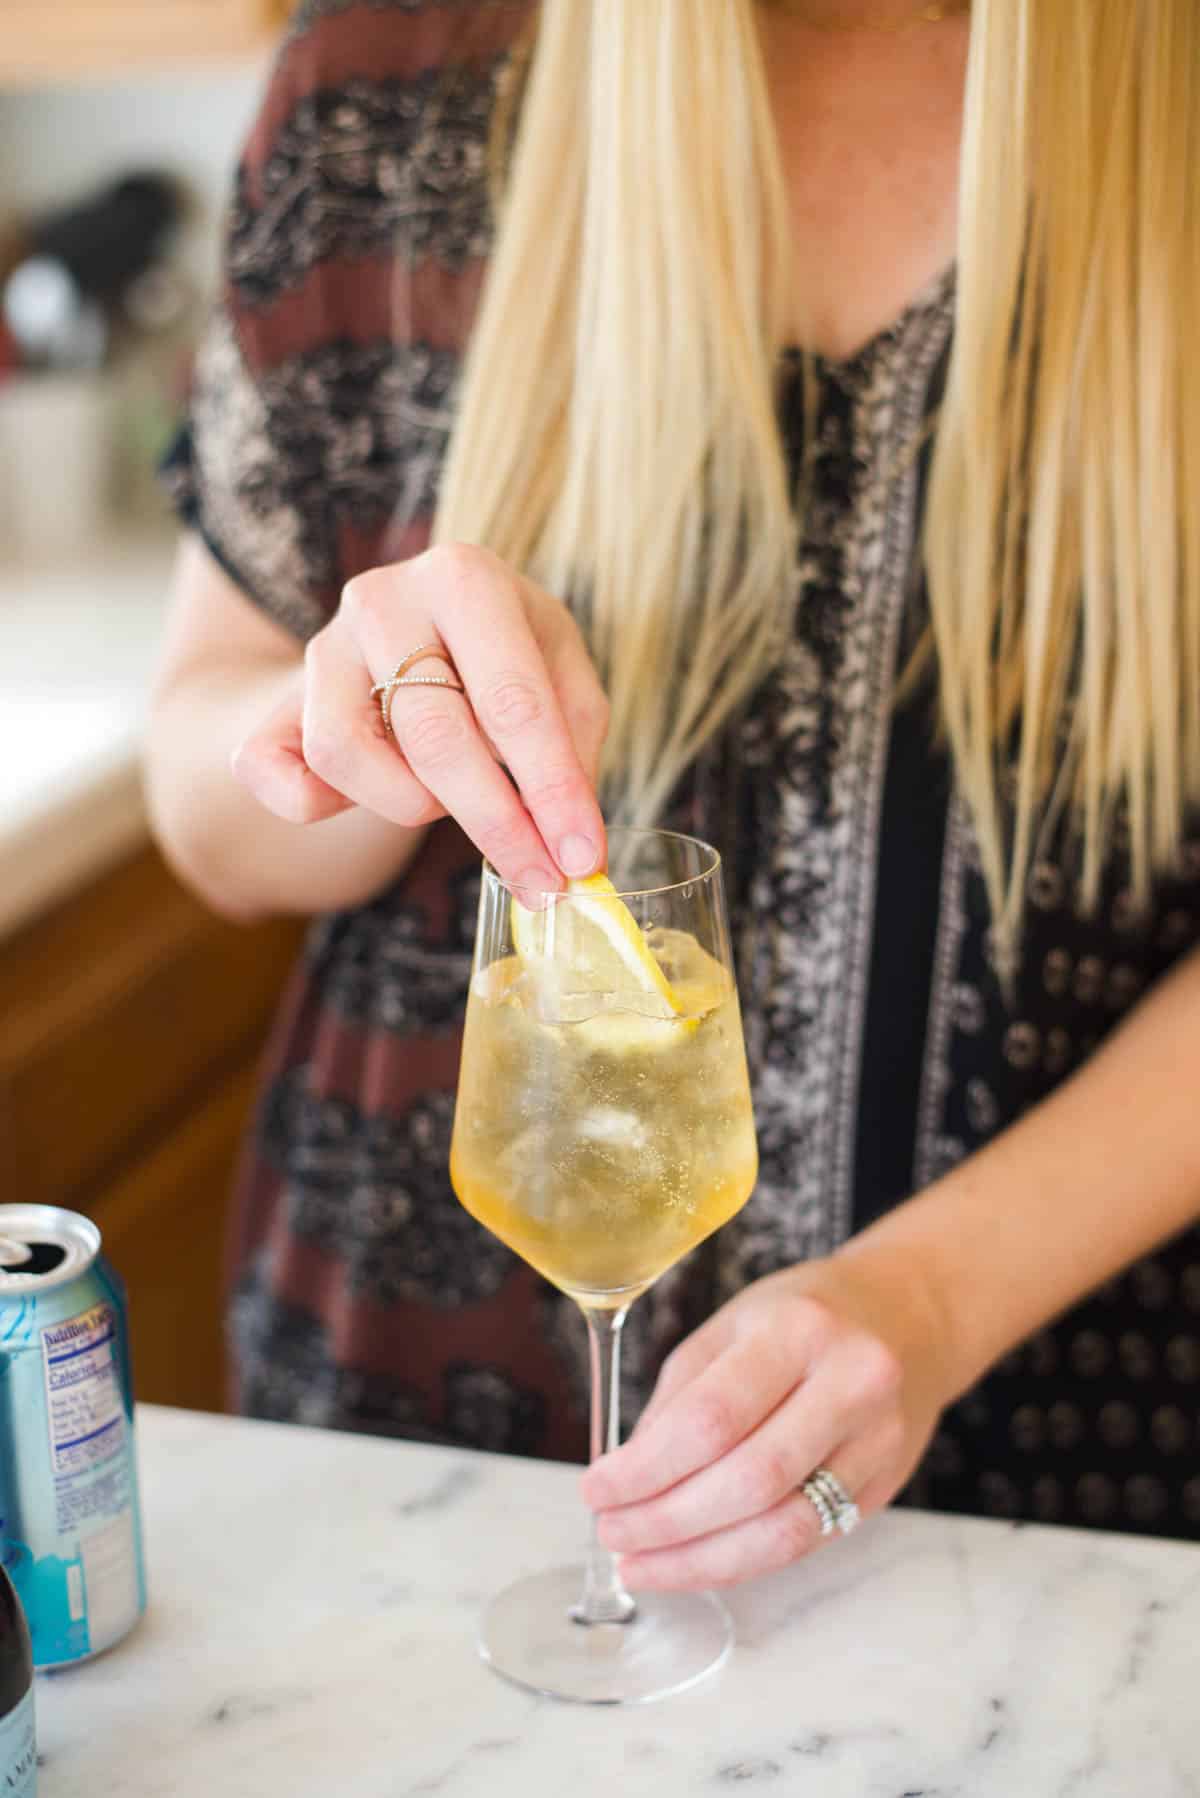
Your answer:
<point x="311" y="1631"/>
<point x="77" y="643"/>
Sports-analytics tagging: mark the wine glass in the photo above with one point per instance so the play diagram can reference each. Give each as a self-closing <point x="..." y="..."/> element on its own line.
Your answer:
<point x="603" y="1128"/>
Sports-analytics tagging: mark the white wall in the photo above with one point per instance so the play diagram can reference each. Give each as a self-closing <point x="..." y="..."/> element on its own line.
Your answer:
<point x="56" y="143"/>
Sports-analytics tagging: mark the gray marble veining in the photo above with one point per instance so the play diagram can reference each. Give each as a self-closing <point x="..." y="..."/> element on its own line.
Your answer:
<point x="312" y="1632"/>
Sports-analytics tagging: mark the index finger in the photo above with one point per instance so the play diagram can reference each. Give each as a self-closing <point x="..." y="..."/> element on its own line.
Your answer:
<point x="476" y="602"/>
<point x="686" y="1363"/>
<point x="710" y="1416"/>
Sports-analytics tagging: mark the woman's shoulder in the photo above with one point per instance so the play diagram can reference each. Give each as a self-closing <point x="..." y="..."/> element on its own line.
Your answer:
<point x="354" y="73"/>
<point x="369" y="154"/>
<point x="452" y="14"/>
<point x="332" y="44"/>
<point x="355" y="247"/>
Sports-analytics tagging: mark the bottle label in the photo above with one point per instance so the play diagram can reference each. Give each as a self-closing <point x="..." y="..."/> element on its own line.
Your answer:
<point x="18" y="1751"/>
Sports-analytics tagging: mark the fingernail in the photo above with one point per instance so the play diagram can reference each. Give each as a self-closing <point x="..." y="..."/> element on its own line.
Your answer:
<point x="577" y="855"/>
<point x="536" y="887"/>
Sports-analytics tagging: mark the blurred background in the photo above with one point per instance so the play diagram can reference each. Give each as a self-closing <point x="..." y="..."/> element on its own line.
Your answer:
<point x="130" y="1021"/>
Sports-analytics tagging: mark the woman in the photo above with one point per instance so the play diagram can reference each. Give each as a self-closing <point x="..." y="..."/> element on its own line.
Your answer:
<point x="823" y="350"/>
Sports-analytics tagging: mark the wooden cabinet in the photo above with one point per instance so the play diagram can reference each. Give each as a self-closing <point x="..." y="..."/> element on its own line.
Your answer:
<point x="40" y="42"/>
<point x="131" y="1024"/>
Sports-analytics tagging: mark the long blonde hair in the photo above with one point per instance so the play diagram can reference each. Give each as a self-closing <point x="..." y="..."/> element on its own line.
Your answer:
<point x="617" y="434"/>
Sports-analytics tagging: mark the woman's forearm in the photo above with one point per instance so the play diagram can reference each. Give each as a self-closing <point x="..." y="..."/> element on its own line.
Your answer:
<point x="1090" y="1180"/>
<point x="244" y="861"/>
<point x="225" y="669"/>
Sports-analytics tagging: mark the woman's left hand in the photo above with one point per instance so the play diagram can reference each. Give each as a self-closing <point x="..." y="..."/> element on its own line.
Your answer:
<point x="841" y="1363"/>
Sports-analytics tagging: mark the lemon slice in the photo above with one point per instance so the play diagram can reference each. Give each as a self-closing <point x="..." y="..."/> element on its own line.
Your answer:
<point x="592" y="950"/>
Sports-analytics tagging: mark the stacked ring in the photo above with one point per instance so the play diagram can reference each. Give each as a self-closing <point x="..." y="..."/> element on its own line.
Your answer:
<point x="835" y="1508"/>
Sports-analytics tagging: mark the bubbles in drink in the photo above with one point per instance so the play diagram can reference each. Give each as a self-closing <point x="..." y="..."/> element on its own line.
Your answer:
<point x="598" y="1132"/>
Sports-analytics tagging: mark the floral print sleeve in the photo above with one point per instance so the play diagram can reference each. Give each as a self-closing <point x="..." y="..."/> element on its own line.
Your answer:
<point x="354" y="252"/>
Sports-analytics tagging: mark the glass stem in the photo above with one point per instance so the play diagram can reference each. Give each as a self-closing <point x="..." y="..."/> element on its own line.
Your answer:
<point x="604" y="1599"/>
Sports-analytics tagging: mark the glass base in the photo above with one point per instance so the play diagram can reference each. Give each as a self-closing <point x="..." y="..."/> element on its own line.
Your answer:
<point x="673" y="1639"/>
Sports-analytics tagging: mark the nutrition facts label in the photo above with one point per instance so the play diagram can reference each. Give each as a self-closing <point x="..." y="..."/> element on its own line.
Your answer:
<point x="91" y="1464"/>
<point x="83" y="1393"/>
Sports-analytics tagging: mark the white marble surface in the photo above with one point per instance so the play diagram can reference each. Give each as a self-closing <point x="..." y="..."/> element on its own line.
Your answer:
<point x="312" y="1621"/>
<point x="77" y="643"/>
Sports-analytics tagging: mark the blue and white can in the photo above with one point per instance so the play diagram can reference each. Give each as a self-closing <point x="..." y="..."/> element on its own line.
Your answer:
<point x="69" y="1509"/>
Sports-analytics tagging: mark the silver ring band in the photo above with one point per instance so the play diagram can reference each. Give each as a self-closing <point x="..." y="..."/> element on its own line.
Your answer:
<point x="825" y="1514"/>
<point x="835" y="1508"/>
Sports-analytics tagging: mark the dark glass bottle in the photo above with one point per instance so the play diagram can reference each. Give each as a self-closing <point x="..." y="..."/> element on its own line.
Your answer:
<point x="18" y="1739"/>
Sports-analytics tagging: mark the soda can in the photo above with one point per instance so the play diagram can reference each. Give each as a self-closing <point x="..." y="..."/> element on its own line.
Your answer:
<point x="68" y="1480"/>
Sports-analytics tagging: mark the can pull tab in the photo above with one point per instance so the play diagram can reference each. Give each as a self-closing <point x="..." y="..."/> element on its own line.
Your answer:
<point x="13" y="1253"/>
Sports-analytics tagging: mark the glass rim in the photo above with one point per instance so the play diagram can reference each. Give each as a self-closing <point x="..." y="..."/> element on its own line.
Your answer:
<point x="645" y="892"/>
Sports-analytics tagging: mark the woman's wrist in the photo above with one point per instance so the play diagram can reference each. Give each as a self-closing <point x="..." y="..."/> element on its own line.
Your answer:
<point x="899" y="1256"/>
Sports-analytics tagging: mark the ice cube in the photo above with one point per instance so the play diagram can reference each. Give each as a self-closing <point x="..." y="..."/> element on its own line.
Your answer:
<point x="611" y="1127"/>
<point x="525" y="1171"/>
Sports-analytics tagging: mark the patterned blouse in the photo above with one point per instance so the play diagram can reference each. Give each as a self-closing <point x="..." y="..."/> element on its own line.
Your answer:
<point x="882" y="1047"/>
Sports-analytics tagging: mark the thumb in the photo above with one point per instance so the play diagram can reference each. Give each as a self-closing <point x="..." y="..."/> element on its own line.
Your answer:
<point x="270" y="764"/>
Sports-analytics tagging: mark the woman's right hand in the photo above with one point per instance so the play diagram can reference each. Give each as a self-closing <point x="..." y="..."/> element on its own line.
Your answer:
<point x="533" y="705"/>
